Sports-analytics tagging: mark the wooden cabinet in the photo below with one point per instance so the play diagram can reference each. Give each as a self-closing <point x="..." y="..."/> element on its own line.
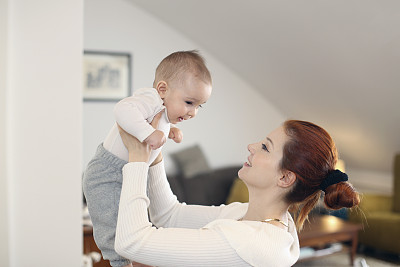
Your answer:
<point x="89" y="246"/>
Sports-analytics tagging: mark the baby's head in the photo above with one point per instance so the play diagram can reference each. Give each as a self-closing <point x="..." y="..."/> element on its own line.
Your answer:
<point x="184" y="83"/>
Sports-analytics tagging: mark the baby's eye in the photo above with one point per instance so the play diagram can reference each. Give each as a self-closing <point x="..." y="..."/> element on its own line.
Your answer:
<point x="264" y="147"/>
<point x="200" y="106"/>
<point x="189" y="102"/>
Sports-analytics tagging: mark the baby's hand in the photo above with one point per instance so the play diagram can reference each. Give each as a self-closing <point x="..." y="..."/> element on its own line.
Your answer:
<point x="156" y="139"/>
<point x="175" y="134"/>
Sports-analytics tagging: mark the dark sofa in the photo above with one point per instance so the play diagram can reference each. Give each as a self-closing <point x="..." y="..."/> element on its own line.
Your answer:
<point x="207" y="188"/>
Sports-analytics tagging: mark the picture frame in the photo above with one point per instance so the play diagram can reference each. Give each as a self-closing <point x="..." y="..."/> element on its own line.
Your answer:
<point x="106" y="76"/>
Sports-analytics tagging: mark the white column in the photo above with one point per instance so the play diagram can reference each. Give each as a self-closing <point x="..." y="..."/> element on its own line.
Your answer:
<point x="4" y="204"/>
<point x="40" y="121"/>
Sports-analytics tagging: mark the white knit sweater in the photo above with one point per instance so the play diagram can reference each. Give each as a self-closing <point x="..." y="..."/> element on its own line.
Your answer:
<point x="193" y="235"/>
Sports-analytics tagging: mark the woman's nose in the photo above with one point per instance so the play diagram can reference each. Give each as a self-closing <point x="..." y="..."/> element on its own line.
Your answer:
<point x="250" y="148"/>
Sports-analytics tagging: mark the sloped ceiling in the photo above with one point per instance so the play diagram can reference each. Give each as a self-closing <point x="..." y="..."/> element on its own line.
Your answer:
<point x="335" y="63"/>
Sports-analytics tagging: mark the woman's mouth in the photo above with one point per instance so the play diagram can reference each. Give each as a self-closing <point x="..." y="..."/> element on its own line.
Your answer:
<point x="247" y="163"/>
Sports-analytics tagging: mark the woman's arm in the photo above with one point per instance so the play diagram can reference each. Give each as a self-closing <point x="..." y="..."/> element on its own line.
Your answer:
<point x="164" y="208"/>
<point x="166" y="211"/>
<point x="137" y="240"/>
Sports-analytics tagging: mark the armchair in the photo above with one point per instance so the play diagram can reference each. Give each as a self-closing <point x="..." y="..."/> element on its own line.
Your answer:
<point x="380" y="216"/>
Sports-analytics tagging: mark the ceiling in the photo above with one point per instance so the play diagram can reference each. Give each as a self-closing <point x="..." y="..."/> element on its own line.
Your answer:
<point x="335" y="63"/>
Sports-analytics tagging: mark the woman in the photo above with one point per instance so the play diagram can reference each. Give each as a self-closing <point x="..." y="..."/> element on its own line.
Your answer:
<point x="286" y="170"/>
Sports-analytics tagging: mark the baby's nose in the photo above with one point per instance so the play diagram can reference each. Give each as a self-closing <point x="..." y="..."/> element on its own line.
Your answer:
<point x="192" y="113"/>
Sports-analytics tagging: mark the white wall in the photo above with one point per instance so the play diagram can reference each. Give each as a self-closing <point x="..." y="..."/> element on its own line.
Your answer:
<point x="40" y="125"/>
<point x="234" y="116"/>
<point x="368" y="181"/>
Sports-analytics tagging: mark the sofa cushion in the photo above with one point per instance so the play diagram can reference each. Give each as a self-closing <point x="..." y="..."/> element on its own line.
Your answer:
<point x="238" y="192"/>
<point x="211" y="188"/>
<point x="382" y="231"/>
<point x="191" y="161"/>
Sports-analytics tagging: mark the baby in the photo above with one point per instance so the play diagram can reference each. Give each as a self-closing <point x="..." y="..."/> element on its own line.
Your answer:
<point x="182" y="84"/>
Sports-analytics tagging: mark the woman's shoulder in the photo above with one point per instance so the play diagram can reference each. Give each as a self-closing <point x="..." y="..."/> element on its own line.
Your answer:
<point x="258" y="243"/>
<point x="235" y="211"/>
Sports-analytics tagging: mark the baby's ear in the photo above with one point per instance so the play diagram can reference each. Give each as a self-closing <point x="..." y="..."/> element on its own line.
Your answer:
<point x="162" y="88"/>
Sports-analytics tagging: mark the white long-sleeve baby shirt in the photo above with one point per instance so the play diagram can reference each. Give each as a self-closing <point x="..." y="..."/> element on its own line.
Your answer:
<point x="134" y="114"/>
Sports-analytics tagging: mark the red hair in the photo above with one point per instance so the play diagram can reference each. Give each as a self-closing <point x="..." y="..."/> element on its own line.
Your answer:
<point x="311" y="153"/>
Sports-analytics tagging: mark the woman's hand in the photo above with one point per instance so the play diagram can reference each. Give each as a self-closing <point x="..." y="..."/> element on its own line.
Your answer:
<point x="138" y="152"/>
<point x="157" y="160"/>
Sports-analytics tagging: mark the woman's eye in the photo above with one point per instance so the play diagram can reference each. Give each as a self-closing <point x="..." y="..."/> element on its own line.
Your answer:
<point x="264" y="147"/>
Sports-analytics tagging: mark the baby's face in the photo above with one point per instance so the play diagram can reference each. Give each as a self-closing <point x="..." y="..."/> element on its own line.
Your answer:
<point x="183" y="100"/>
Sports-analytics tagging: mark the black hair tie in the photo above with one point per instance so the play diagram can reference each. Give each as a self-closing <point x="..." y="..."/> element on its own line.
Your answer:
<point x="333" y="177"/>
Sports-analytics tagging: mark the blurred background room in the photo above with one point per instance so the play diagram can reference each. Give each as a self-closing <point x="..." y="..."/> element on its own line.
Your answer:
<point x="335" y="63"/>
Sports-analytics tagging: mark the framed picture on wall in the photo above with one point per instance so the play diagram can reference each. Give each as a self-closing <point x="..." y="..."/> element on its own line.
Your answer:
<point x="106" y="76"/>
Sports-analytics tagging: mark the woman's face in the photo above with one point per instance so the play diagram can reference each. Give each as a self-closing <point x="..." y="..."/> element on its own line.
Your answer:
<point x="263" y="164"/>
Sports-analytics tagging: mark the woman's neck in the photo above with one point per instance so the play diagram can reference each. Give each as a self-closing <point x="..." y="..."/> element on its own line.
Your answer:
<point x="270" y="207"/>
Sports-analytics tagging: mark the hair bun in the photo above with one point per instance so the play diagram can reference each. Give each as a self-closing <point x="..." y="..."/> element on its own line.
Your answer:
<point x="341" y="195"/>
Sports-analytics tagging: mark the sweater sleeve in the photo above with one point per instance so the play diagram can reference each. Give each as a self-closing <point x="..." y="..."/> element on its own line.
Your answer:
<point x="134" y="113"/>
<point x="137" y="240"/>
<point x="166" y="211"/>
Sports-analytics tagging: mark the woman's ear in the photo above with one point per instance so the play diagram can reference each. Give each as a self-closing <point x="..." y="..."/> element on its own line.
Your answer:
<point x="287" y="179"/>
<point x="162" y="88"/>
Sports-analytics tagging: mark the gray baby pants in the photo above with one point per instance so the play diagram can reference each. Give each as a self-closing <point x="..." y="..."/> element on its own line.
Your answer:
<point x="102" y="182"/>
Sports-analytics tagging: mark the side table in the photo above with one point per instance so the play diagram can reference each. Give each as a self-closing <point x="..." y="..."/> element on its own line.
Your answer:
<point x="323" y="230"/>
